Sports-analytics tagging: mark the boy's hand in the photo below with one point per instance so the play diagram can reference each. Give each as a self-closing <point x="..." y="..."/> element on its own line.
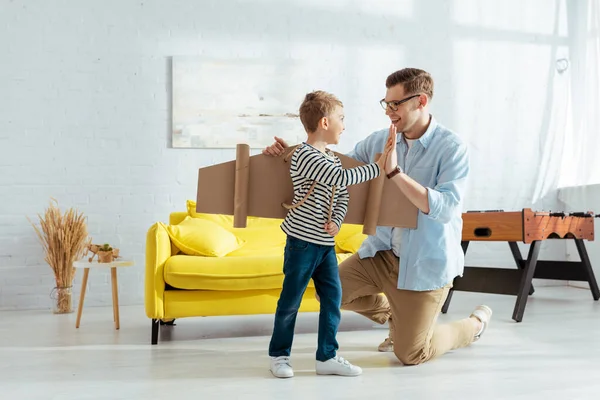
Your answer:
<point x="331" y="228"/>
<point x="276" y="149"/>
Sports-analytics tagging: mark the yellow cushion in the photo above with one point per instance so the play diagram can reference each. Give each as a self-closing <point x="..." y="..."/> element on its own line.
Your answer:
<point x="203" y="238"/>
<point x="352" y="243"/>
<point x="177" y="216"/>
<point x="226" y="221"/>
<point x="345" y="239"/>
<point x="227" y="273"/>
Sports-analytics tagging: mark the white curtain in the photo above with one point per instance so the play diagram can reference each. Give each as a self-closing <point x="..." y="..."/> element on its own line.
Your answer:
<point x="581" y="159"/>
<point x="554" y="138"/>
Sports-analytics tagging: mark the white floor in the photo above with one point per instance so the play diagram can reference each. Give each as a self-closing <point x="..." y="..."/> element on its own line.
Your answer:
<point x="553" y="354"/>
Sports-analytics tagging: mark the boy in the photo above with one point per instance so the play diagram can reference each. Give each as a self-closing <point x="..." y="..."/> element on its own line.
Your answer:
<point x="320" y="206"/>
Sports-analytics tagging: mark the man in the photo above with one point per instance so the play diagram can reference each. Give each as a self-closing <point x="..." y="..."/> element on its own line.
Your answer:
<point x="413" y="268"/>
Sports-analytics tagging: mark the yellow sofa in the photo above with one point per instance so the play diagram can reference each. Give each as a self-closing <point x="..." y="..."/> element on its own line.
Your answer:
<point x="199" y="265"/>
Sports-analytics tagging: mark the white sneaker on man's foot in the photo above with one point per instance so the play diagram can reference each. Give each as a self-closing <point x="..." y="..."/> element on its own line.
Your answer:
<point x="281" y="367"/>
<point x="337" y="366"/>
<point x="388" y="344"/>
<point x="484" y="315"/>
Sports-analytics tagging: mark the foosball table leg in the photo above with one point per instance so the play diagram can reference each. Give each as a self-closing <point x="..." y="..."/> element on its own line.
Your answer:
<point x="514" y="249"/>
<point x="585" y="261"/>
<point x="526" y="279"/>
<point x="447" y="302"/>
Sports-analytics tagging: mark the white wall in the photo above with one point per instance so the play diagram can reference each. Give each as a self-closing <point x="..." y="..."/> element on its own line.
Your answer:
<point x="85" y="105"/>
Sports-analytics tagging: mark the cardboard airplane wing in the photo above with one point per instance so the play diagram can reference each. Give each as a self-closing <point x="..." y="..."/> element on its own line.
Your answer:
<point x="257" y="186"/>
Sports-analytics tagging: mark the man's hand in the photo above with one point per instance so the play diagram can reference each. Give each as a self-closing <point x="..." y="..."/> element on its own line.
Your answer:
<point x="391" y="161"/>
<point x="389" y="148"/>
<point x="331" y="228"/>
<point x="276" y="149"/>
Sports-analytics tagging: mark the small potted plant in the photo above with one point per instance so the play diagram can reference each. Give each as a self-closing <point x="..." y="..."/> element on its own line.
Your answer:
<point x="103" y="250"/>
<point x="105" y="253"/>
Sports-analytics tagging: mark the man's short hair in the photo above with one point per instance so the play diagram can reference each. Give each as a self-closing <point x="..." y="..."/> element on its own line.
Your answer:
<point x="316" y="105"/>
<point x="413" y="80"/>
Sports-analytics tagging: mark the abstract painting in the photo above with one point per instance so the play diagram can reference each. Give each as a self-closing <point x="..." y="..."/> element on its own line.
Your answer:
<point x="220" y="103"/>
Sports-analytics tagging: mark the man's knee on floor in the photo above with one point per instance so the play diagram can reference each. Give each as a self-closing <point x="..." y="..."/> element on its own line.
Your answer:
<point x="410" y="355"/>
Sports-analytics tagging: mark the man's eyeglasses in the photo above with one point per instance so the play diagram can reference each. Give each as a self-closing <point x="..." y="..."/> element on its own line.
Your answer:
<point x="394" y="104"/>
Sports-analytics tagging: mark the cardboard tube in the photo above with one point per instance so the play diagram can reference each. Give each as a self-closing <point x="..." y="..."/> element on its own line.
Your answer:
<point x="242" y="176"/>
<point x="373" y="204"/>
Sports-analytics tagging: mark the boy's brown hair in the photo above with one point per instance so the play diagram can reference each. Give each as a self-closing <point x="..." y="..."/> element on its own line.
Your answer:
<point x="316" y="105"/>
<point x="414" y="81"/>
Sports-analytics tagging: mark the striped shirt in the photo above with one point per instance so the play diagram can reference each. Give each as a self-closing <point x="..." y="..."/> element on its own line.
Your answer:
<point x="308" y="165"/>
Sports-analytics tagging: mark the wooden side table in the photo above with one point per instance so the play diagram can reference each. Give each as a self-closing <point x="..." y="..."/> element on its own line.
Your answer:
<point x="86" y="265"/>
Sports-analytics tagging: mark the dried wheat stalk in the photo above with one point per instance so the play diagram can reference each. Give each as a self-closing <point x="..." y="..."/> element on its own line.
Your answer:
<point x="64" y="239"/>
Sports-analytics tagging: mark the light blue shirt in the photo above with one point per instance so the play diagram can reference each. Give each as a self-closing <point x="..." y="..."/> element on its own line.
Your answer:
<point x="431" y="255"/>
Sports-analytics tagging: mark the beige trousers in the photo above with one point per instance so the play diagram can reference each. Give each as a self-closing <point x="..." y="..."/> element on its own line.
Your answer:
<point x="369" y="287"/>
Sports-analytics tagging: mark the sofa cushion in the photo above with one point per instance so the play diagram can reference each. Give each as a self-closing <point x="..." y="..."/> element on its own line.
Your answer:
<point x="352" y="243"/>
<point x="227" y="273"/>
<point x="200" y="237"/>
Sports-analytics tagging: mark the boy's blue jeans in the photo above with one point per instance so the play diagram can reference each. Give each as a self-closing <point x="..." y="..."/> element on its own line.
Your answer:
<point x="302" y="261"/>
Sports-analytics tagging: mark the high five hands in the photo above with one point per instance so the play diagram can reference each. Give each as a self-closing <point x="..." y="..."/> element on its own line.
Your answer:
<point x="387" y="162"/>
<point x="389" y="159"/>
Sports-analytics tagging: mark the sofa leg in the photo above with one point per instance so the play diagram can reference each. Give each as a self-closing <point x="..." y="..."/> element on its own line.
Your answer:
<point x="155" y="325"/>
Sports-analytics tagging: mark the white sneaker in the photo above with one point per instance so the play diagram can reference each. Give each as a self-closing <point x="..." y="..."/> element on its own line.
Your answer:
<point x="388" y="344"/>
<point x="483" y="314"/>
<point x="281" y="367"/>
<point x="337" y="366"/>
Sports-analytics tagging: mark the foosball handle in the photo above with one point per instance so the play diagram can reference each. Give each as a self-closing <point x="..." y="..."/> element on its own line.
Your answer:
<point x="581" y="215"/>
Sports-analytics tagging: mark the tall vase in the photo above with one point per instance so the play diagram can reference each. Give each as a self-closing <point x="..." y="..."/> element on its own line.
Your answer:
<point x="62" y="300"/>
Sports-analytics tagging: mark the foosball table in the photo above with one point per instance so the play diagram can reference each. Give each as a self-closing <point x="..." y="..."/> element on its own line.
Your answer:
<point x="529" y="227"/>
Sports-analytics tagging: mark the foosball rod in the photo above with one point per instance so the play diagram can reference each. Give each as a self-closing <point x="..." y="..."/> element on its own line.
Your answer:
<point x="563" y="215"/>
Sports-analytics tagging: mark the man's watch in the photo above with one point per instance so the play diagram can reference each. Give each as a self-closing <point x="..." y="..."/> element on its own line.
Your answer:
<point x="395" y="172"/>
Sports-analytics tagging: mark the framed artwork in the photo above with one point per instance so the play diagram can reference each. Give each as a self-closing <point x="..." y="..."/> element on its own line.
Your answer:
<point x="220" y="103"/>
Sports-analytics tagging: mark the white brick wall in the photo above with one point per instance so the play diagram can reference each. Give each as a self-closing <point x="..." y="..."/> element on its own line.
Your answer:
<point x="85" y="105"/>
